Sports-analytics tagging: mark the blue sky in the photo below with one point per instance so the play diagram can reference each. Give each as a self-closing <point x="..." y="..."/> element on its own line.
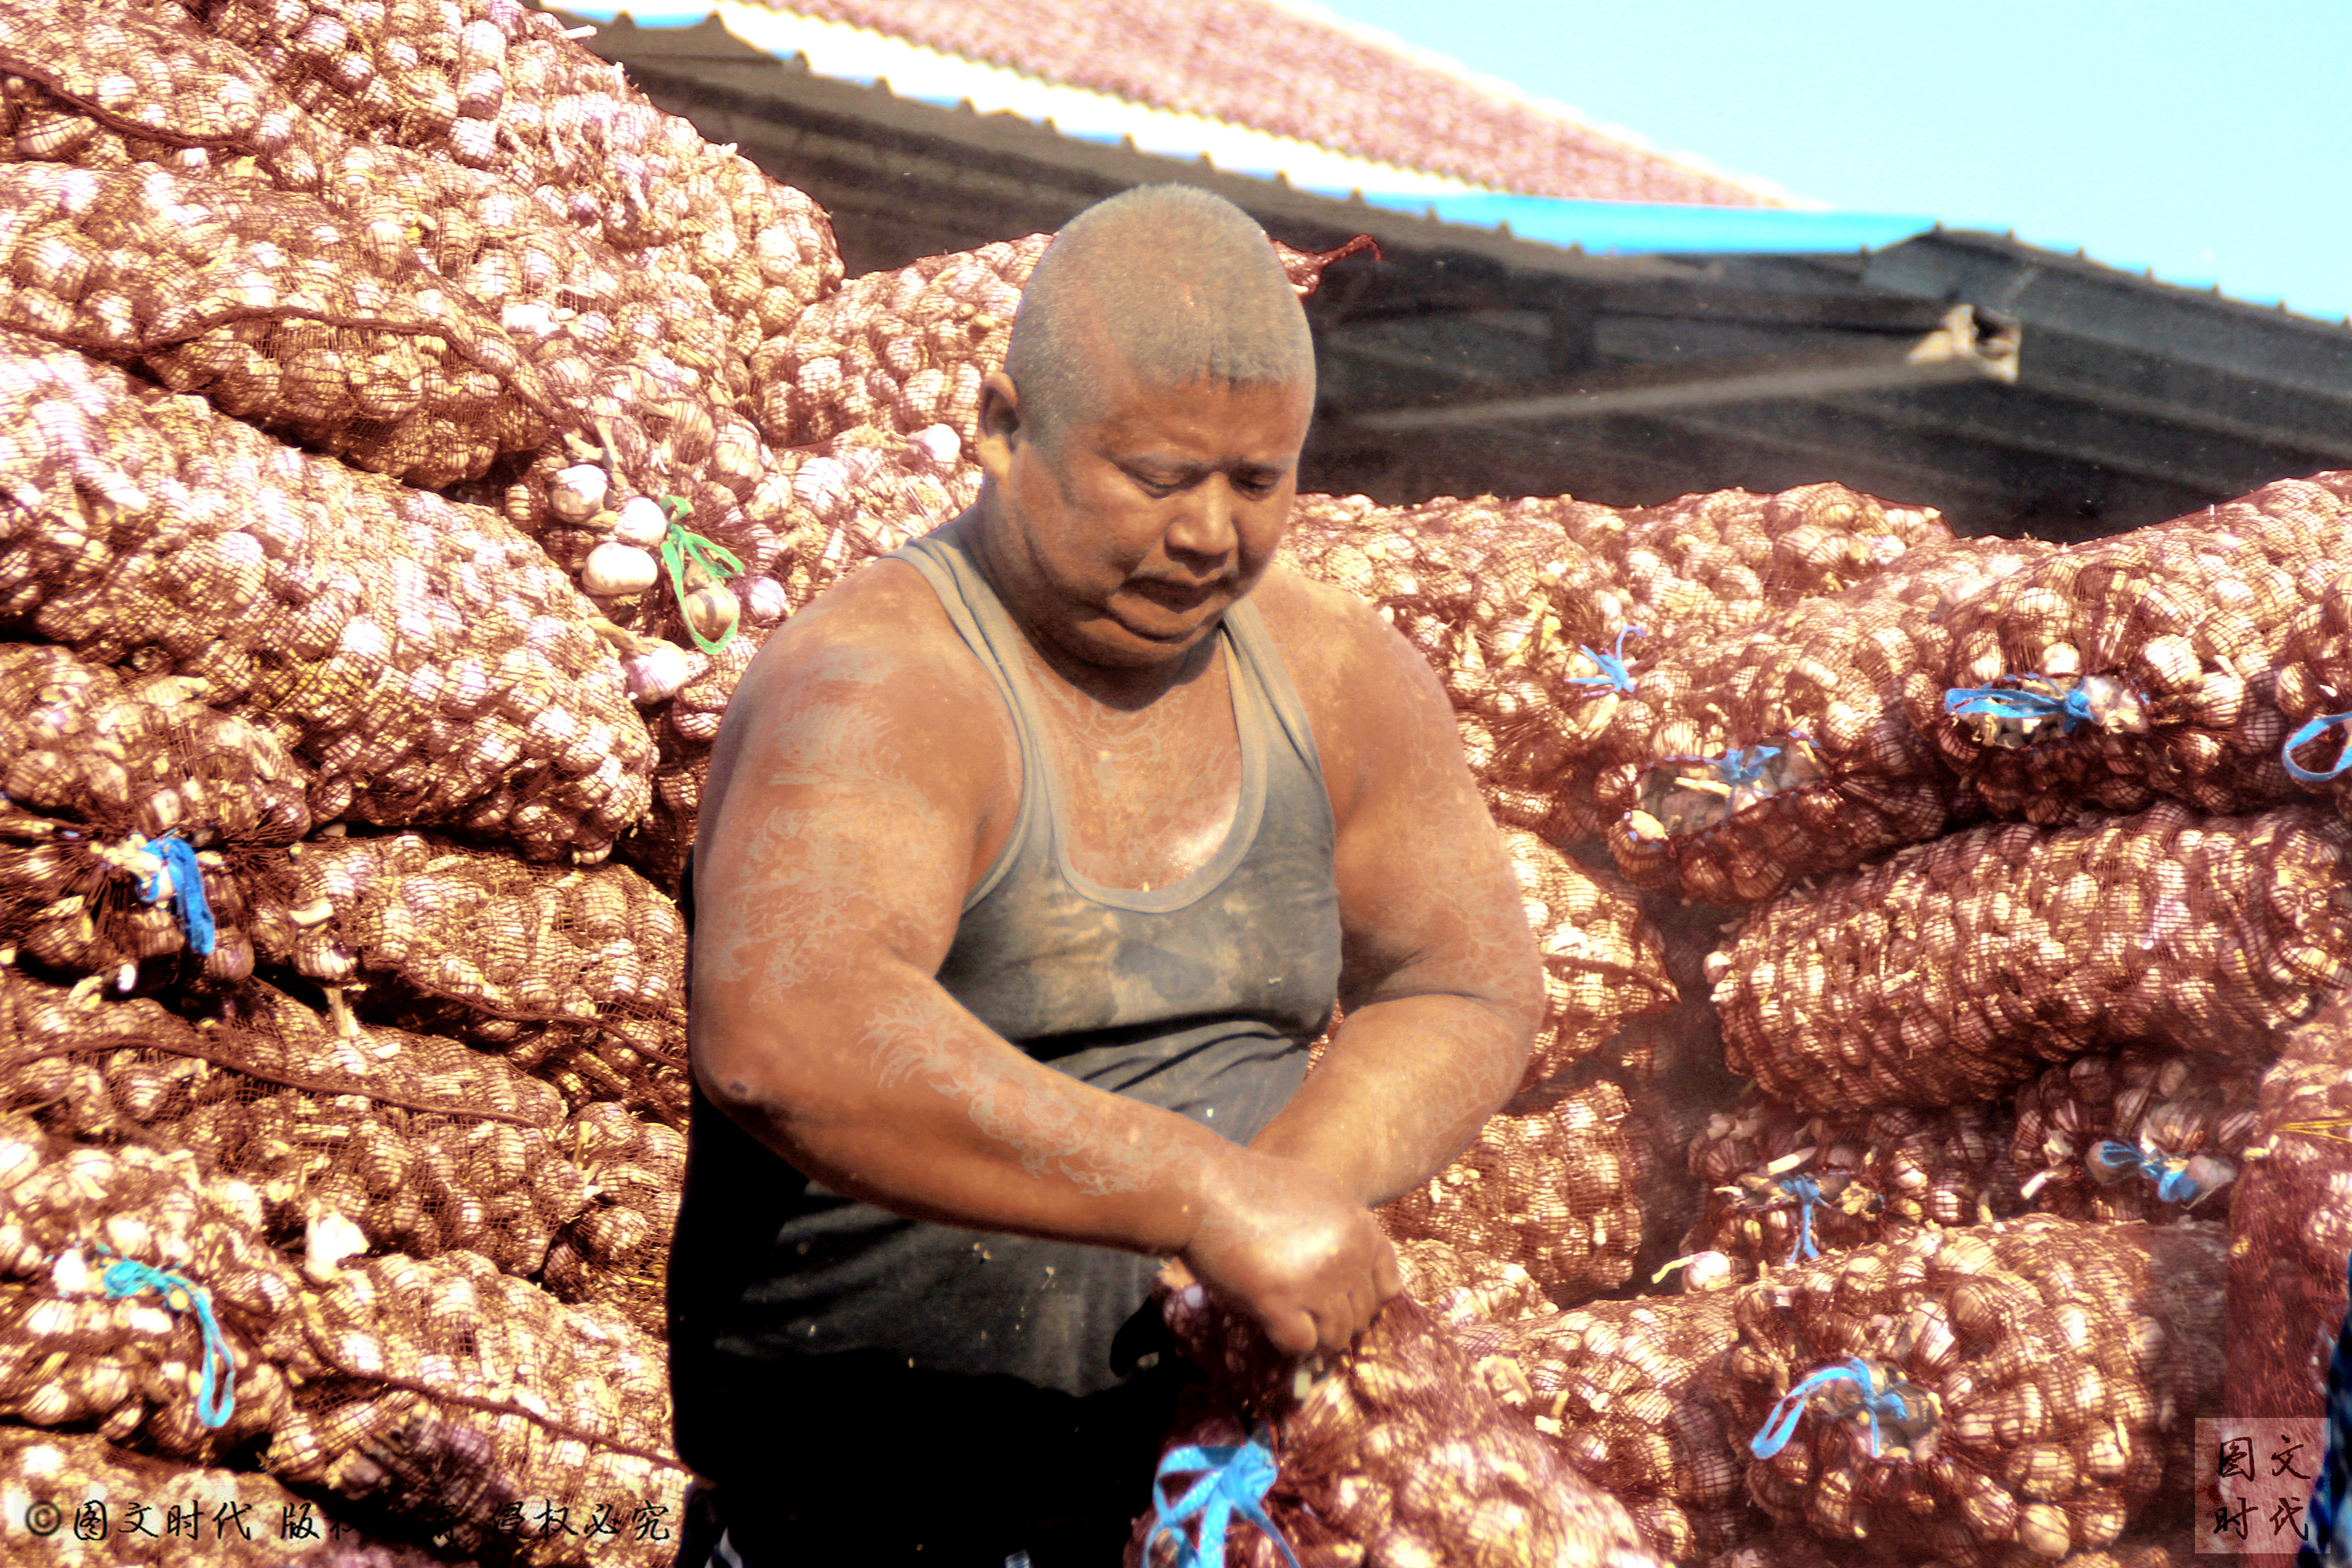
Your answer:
<point x="2213" y="142"/>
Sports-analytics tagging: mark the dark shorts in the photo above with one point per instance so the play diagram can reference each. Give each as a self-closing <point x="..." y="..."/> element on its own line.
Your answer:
<point x="865" y="1463"/>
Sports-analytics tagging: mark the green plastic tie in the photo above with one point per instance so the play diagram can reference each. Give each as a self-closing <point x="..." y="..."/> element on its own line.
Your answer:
<point x="678" y="547"/>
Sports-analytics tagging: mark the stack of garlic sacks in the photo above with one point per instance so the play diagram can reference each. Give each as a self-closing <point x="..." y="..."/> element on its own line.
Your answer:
<point x="410" y="437"/>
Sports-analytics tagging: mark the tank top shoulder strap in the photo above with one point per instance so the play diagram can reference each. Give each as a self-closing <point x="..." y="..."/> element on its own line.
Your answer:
<point x="980" y="619"/>
<point x="1260" y="665"/>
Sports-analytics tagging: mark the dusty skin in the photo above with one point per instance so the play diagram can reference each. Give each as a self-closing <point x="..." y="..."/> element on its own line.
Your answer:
<point x="869" y="775"/>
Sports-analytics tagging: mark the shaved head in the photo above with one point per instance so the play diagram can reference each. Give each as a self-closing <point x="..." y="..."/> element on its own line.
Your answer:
<point x="1171" y="283"/>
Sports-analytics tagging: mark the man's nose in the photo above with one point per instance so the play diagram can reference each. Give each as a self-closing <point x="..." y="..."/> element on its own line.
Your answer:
<point x="1205" y="526"/>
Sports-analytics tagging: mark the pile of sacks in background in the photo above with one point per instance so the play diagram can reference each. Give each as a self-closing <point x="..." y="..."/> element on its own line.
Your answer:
<point x="408" y="435"/>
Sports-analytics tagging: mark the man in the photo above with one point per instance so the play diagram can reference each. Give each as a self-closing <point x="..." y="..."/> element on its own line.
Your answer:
<point x="1030" y="861"/>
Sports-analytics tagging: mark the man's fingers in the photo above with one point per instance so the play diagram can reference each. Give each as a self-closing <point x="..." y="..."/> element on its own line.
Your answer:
<point x="1294" y="1333"/>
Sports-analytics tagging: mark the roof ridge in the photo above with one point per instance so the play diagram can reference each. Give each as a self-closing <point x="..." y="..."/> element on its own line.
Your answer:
<point x="1428" y="58"/>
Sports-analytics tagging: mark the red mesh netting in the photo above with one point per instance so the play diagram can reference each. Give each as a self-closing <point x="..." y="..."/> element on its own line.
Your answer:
<point x="1602" y="960"/>
<point x="2184" y="1121"/>
<point x="93" y="769"/>
<point x="1620" y="1387"/>
<point x="1784" y="1186"/>
<point x="1550" y="1191"/>
<point x="1745" y="764"/>
<point x="421" y="656"/>
<point x="456" y="938"/>
<point x="1790" y="1547"/>
<point x="2035" y="1386"/>
<point x="2167" y="635"/>
<point x="1956" y="971"/>
<point x="2291" y="1227"/>
<point x="1396" y="1457"/>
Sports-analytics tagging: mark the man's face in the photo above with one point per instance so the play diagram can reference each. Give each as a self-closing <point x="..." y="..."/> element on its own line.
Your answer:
<point x="1127" y="529"/>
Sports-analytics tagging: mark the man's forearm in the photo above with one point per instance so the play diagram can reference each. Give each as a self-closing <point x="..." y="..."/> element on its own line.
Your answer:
<point x="910" y="1103"/>
<point x="1404" y="1087"/>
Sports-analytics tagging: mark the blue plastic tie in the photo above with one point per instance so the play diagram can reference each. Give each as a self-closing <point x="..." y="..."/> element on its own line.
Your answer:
<point x="2004" y="703"/>
<point x="2304" y="737"/>
<point x="1791" y="1407"/>
<point x="1808" y="1194"/>
<point x="1742" y="764"/>
<point x="1613" y="665"/>
<point x="127" y="1277"/>
<point x="1238" y="1479"/>
<point x="188" y="900"/>
<point x="2115" y="1159"/>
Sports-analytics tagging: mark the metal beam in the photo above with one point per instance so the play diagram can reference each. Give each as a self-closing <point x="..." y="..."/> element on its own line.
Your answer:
<point x="1962" y="349"/>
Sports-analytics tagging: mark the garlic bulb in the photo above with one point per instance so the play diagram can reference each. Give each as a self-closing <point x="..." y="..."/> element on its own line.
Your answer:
<point x="615" y="570"/>
<point x="938" y="447"/>
<point x="712" y="611"/>
<point x="642" y="523"/>
<point x="577" y="493"/>
<point x="763" y="599"/>
<point x="655" y="674"/>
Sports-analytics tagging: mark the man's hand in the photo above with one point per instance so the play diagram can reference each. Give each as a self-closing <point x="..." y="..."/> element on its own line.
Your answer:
<point x="1290" y="1246"/>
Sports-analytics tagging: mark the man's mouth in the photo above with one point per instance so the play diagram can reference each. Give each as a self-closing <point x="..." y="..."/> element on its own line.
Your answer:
<point x="1178" y="598"/>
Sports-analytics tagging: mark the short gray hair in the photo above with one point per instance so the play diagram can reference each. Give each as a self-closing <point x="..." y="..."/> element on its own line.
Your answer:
<point x="1180" y="285"/>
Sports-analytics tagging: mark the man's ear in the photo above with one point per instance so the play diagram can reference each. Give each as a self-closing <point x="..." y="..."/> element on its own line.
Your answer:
<point x="1001" y="425"/>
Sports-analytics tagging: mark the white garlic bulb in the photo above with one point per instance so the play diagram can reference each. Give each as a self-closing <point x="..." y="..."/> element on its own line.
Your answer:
<point x="938" y="446"/>
<point x="642" y="523"/>
<point x="577" y="493"/>
<point x="712" y="611"/>
<point x="763" y="599"/>
<point x="655" y="674"/>
<point x="615" y="570"/>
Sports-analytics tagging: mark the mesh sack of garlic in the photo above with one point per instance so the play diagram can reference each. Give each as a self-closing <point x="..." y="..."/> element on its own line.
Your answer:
<point x="2291" y="1227"/>
<point x="444" y="1391"/>
<point x="1550" y="1190"/>
<point x="494" y="86"/>
<point x="2141" y="1134"/>
<point x="629" y="341"/>
<point x="2002" y="1394"/>
<point x="1463" y="1289"/>
<point x="1783" y="752"/>
<point x="1619" y="1389"/>
<point x="615" y="1250"/>
<point x="267" y="306"/>
<point x="1785" y="1186"/>
<point x="421" y="656"/>
<point x="413" y="916"/>
<point x="116" y="1505"/>
<point x="1521" y="622"/>
<point x="1603" y="962"/>
<point x="2138" y="665"/>
<point x="1795" y="1547"/>
<point x="137" y="826"/>
<point x="904" y="349"/>
<point x="1959" y="969"/>
<point x="1396" y="1456"/>
<point x="388" y="1139"/>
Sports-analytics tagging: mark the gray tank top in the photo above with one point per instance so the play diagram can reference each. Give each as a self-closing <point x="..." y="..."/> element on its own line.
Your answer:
<point x="1199" y="998"/>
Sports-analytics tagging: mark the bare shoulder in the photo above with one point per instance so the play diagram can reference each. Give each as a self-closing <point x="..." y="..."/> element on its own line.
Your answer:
<point x="871" y="675"/>
<point x="1368" y="693"/>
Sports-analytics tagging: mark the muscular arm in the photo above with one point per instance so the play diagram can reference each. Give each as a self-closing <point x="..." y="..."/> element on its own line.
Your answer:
<point x="852" y="793"/>
<point x="1443" y="986"/>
